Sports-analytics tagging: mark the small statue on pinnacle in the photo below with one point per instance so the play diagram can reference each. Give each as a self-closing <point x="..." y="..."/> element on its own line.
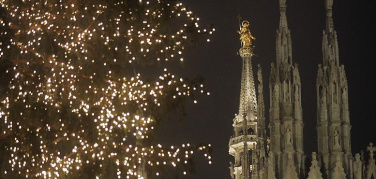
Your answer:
<point x="245" y="35"/>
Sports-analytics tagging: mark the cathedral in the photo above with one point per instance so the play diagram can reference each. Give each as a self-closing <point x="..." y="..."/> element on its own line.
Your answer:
<point x="274" y="150"/>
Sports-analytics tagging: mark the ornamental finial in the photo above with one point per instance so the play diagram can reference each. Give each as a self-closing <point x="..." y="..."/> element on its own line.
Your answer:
<point x="328" y="4"/>
<point x="245" y="35"/>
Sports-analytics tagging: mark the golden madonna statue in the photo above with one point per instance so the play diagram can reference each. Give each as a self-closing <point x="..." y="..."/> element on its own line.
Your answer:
<point x="245" y="35"/>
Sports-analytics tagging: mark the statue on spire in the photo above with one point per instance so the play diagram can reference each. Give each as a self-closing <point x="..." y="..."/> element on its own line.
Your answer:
<point x="329" y="4"/>
<point x="245" y="35"/>
<point x="282" y="3"/>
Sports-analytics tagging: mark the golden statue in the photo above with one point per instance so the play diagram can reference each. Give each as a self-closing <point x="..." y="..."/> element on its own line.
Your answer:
<point x="245" y="35"/>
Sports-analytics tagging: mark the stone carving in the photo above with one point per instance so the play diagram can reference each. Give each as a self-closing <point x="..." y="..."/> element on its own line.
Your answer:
<point x="343" y="75"/>
<point x="276" y="93"/>
<point x="259" y="74"/>
<point x="329" y="4"/>
<point x="320" y="72"/>
<point x="287" y="93"/>
<point x="371" y="169"/>
<point x="288" y="135"/>
<point x="282" y="3"/>
<point x="232" y="170"/>
<point x="323" y="92"/>
<point x="268" y="146"/>
<point x="335" y="94"/>
<point x="290" y="172"/>
<point x="272" y="73"/>
<point x="296" y="74"/>
<point x="363" y="163"/>
<point x="371" y="149"/>
<point x="336" y="138"/>
<point x="297" y="93"/>
<point x="314" y="170"/>
<point x="285" y="73"/>
<point x="338" y="171"/>
<point x="344" y="96"/>
<point x="357" y="166"/>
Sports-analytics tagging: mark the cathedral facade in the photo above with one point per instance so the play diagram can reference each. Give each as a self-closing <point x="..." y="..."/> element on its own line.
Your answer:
<point x="278" y="153"/>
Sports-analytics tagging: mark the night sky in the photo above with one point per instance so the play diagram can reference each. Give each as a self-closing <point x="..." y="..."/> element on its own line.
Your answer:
<point x="210" y="120"/>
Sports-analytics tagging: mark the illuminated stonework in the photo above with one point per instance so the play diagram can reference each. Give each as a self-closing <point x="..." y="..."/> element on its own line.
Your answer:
<point x="246" y="145"/>
<point x="280" y="155"/>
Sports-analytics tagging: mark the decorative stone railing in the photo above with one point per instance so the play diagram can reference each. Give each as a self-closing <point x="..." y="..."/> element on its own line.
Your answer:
<point x="239" y="139"/>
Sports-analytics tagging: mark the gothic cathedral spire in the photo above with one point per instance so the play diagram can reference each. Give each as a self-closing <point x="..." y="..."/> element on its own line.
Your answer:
<point x="284" y="48"/>
<point x="333" y="121"/>
<point x="286" y="123"/>
<point x="248" y="140"/>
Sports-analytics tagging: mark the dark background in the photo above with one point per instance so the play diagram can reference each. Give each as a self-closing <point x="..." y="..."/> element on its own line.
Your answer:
<point x="210" y="120"/>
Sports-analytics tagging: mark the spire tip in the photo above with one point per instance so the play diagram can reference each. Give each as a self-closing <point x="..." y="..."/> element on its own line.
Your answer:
<point x="328" y="4"/>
